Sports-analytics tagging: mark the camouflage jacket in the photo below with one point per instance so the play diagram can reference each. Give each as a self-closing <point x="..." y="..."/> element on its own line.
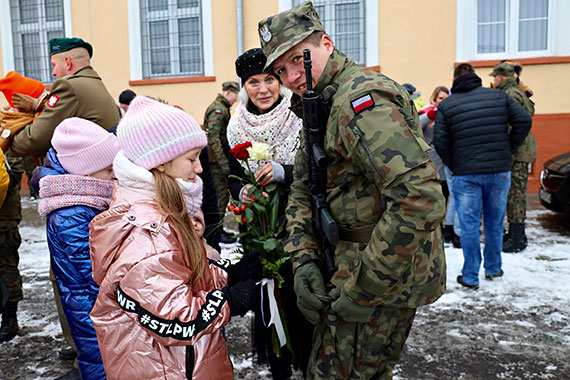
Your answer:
<point x="216" y="122"/>
<point x="527" y="151"/>
<point x="380" y="176"/>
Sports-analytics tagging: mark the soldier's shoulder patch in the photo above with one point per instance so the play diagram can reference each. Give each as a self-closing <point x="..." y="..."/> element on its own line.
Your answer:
<point x="362" y="103"/>
<point x="218" y="111"/>
<point x="52" y="101"/>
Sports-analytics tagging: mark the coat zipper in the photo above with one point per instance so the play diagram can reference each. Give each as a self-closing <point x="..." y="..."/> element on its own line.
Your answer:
<point x="190" y="359"/>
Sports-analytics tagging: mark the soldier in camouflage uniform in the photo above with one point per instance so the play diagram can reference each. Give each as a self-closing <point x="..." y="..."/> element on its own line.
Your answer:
<point x="215" y="124"/>
<point x="382" y="190"/>
<point x="516" y="240"/>
<point x="10" y="217"/>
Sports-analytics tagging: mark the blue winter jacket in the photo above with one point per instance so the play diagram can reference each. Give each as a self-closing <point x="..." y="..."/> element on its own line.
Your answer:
<point x="68" y="242"/>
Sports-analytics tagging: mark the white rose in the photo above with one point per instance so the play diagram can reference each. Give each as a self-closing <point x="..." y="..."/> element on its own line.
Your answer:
<point x="259" y="151"/>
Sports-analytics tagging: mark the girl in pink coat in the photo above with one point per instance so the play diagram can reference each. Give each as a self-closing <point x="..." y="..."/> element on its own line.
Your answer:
<point x="162" y="304"/>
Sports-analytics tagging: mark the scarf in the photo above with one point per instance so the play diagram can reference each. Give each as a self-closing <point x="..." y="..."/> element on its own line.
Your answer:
<point x="139" y="179"/>
<point x="279" y="129"/>
<point x="59" y="191"/>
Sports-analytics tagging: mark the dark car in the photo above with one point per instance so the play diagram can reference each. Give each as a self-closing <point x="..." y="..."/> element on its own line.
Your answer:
<point x="554" y="190"/>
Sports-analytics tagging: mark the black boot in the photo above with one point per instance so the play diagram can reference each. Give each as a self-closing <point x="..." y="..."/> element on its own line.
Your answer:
<point x="456" y="240"/>
<point x="9" y="327"/>
<point x="517" y="241"/>
<point x="507" y="234"/>
<point x="448" y="233"/>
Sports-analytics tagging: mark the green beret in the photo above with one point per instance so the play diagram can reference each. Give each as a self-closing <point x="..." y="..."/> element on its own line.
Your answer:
<point x="505" y="69"/>
<point x="281" y="32"/>
<point x="232" y="86"/>
<point x="59" y="45"/>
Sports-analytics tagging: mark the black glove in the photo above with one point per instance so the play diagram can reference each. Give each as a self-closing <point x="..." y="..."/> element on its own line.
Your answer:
<point x="249" y="267"/>
<point x="241" y="297"/>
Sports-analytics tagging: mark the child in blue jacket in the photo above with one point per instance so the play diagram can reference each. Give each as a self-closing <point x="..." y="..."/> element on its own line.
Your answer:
<point x="76" y="184"/>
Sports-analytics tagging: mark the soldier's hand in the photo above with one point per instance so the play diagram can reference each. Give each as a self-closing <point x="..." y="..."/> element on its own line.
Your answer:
<point x="310" y="289"/>
<point x="24" y="103"/>
<point x="348" y="310"/>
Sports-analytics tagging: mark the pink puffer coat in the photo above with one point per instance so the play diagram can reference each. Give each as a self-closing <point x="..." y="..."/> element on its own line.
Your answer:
<point x="150" y="323"/>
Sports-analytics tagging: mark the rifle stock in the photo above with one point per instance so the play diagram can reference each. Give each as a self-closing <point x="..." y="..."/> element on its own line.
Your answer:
<point x="314" y="125"/>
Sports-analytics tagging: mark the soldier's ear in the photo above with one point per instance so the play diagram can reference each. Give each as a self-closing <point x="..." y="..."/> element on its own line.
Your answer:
<point x="327" y="43"/>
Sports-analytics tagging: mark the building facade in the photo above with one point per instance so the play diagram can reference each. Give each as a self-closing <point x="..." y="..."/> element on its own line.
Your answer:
<point x="182" y="50"/>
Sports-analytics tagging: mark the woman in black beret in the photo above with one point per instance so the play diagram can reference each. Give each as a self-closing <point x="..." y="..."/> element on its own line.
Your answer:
<point x="263" y="115"/>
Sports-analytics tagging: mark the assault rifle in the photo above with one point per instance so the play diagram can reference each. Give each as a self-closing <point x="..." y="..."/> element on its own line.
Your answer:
<point x="314" y="124"/>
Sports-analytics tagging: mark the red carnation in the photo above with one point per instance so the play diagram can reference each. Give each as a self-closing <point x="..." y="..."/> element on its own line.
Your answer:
<point x="240" y="150"/>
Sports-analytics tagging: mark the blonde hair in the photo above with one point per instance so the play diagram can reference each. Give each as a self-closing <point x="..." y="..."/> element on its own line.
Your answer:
<point x="436" y="92"/>
<point x="172" y="203"/>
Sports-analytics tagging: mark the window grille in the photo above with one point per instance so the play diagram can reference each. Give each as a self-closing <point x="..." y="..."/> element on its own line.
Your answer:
<point x="34" y="23"/>
<point x="171" y="36"/>
<point x="344" y="22"/>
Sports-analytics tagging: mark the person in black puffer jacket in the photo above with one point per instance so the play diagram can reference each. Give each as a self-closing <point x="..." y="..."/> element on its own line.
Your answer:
<point x="471" y="136"/>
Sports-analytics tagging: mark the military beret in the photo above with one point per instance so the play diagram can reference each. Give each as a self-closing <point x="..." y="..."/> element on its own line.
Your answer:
<point x="231" y="85"/>
<point x="250" y="63"/>
<point x="281" y="32"/>
<point x="505" y="69"/>
<point x="59" y="45"/>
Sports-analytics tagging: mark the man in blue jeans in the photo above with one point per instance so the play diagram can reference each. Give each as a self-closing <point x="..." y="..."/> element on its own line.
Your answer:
<point x="472" y="138"/>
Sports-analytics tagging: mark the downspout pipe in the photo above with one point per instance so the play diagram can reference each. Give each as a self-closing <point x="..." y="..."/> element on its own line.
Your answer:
<point x="239" y="26"/>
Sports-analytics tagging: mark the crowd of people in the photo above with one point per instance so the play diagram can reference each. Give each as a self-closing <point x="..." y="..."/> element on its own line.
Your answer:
<point x="135" y="195"/>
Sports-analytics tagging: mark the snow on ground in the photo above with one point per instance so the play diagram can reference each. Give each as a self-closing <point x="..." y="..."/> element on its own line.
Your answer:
<point x="522" y="319"/>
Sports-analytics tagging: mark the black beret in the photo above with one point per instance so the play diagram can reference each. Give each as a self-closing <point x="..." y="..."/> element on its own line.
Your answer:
<point x="59" y="45"/>
<point x="250" y="63"/>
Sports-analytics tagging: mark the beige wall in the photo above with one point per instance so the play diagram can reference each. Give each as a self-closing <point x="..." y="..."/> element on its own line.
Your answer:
<point x="413" y="47"/>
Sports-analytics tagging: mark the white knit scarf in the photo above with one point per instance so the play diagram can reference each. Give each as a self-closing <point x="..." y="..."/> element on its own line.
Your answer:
<point x="279" y="128"/>
<point x="59" y="191"/>
<point x="139" y="179"/>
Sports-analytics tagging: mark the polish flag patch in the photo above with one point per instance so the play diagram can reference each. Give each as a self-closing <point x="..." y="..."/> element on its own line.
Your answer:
<point x="218" y="111"/>
<point x="362" y="103"/>
<point x="52" y="101"/>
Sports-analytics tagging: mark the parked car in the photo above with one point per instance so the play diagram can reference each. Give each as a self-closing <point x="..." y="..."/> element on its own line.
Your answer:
<point x="554" y="190"/>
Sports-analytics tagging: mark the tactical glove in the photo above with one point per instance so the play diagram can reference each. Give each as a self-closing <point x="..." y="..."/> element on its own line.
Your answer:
<point x="24" y="103"/>
<point x="249" y="267"/>
<point x="310" y="289"/>
<point x="348" y="310"/>
<point x="241" y="297"/>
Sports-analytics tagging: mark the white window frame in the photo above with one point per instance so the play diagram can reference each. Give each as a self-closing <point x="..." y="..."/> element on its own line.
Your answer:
<point x="135" y="40"/>
<point x="558" y="32"/>
<point x="8" y="59"/>
<point x="370" y="29"/>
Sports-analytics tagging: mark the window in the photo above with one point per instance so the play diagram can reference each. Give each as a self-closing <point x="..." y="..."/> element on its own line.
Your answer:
<point x="171" y="38"/>
<point x="34" y="23"/>
<point x="344" y="22"/>
<point x="511" y="26"/>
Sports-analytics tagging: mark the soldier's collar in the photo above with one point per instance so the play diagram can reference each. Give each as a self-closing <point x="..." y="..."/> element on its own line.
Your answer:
<point x="335" y="65"/>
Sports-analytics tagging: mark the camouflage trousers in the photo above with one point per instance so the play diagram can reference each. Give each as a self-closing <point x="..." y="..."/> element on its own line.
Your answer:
<point x="516" y="200"/>
<point x="10" y="240"/>
<point x="344" y="350"/>
<point x="221" y="185"/>
<point x="9" y="243"/>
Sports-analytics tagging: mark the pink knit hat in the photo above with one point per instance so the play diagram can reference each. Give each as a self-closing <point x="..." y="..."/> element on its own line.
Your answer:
<point x="83" y="147"/>
<point x="152" y="133"/>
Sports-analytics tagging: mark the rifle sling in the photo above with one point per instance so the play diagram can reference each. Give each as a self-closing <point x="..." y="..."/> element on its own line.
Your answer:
<point x="356" y="234"/>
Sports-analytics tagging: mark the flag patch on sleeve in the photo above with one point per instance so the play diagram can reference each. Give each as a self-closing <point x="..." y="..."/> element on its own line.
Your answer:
<point x="52" y="101"/>
<point x="218" y="111"/>
<point x="362" y="103"/>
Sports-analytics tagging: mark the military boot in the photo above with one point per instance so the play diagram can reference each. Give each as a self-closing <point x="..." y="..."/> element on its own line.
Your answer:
<point x="517" y="241"/>
<point x="9" y="327"/>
